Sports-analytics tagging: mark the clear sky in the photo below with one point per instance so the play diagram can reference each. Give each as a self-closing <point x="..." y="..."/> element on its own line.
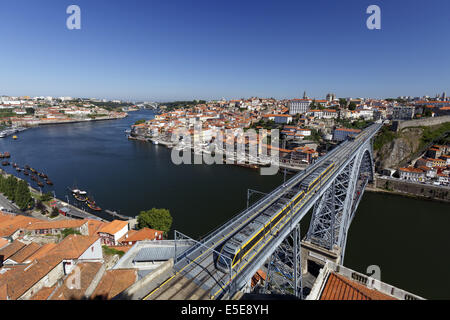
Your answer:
<point x="194" y="49"/>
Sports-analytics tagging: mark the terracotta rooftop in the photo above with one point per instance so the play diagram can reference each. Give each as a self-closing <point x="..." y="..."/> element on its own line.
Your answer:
<point x="94" y="226"/>
<point x="10" y="224"/>
<point x="142" y="234"/>
<point x="339" y="287"/>
<point x="114" y="282"/>
<point x="19" y="280"/>
<point x="411" y="169"/>
<point x="44" y="293"/>
<point x="41" y="252"/>
<point x="72" y="247"/>
<point x="87" y="272"/>
<point x="25" y="252"/>
<point x="3" y="242"/>
<point x="61" y="224"/>
<point x="11" y="249"/>
<point x="113" y="227"/>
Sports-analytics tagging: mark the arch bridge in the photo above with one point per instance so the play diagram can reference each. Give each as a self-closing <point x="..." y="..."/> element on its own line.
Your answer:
<point x="267" y="234"/>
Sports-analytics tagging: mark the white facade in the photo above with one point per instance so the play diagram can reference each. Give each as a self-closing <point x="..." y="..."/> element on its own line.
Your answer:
<point x="94" y="252"/>
<point x="297" y="106"/>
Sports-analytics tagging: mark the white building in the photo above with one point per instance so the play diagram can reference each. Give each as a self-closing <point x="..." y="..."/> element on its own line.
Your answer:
<point x="297" y="106"/>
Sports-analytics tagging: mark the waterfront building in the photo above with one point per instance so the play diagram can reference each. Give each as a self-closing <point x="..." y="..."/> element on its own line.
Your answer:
<point x="412" y="174"/>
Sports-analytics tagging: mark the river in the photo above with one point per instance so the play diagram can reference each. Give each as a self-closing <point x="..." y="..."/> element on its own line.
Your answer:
<point x="407" y="238"/>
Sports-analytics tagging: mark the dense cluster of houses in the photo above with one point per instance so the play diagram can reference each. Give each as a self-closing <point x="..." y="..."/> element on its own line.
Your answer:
<point x="50" y="111"/>
<point x="36" y="264"/>
<point x="296" y="118"/>
<point x="434" y="166"/>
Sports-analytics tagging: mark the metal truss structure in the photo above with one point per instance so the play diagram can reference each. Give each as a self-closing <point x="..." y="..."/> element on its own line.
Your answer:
<point x="335" y="209"/>
<point x="284" y="268"/>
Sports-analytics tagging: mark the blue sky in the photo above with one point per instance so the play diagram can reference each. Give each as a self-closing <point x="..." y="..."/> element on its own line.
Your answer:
<point x="166" y="50"/>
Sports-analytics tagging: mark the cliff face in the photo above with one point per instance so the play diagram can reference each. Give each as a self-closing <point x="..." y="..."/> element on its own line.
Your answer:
<point x="402" y="147"/>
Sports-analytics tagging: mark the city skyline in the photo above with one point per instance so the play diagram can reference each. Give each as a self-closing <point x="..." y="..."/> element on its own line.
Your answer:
<point x="175" y="51"/>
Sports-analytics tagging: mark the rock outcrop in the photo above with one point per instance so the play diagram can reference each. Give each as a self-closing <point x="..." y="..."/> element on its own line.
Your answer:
<point x="401" y="148"/>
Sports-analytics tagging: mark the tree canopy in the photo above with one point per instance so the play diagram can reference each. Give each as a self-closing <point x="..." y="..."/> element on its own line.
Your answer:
<point x="139" y="121"/>
<point x="16" y="191"/>
<point x="158" y="219"/>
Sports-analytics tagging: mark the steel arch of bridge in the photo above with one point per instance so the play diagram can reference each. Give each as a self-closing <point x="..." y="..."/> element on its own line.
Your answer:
<point x="333" y="211"/>
<point x="336" y="207"/>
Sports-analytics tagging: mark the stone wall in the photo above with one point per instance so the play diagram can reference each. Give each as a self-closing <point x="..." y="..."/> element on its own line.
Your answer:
<point x="426" y="122"/>
<point x="416" y="189"/>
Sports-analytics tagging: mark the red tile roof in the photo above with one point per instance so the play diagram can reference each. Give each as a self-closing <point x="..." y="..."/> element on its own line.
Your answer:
<point x="113" y="227"/>
<point x="114" y="282"/>
<point x="338" y="287"/>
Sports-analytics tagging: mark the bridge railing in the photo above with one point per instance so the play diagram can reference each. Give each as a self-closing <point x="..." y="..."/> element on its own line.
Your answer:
<point x="182" y="260"/>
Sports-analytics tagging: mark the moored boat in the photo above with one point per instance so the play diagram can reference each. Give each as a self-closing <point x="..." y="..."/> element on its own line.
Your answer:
<point x="79" y="197"/>
<point x="7" y="155"/>
<point x="40" y="184"/>
<point x="90" y="201"/>
<point x="5" y="163"/>
<point x="77" y="191"/>
<point x="26" y="172"/>
<point x="94" y="207"/>
<point x="49" y="182"/>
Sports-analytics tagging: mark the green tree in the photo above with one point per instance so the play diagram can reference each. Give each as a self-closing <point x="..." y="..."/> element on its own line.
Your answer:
<point x="159" y="219"/>
<point x="46" y="196"/>
<point x="10" y="188"/>
<point x="55" y="212"/>
<point x="139" y="121"/>
<point x="22" y="196"/>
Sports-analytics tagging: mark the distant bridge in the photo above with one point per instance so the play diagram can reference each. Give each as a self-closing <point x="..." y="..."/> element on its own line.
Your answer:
<point x="333" y="187"/>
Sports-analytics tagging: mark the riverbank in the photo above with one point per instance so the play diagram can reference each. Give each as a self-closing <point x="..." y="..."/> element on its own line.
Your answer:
<point x="47" y="122"/>
<point x="410" y="190"/>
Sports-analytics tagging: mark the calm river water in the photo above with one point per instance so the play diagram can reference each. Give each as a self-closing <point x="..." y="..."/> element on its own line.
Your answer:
<point x="408" y="239"/>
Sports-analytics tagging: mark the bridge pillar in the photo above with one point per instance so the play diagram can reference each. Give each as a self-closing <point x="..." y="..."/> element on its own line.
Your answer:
<point x="314" y="257"/>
